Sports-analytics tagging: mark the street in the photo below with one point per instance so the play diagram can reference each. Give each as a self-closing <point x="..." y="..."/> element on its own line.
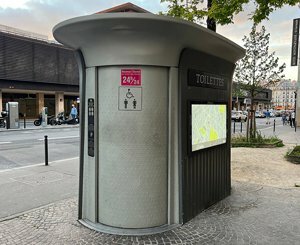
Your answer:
<point x="23" y="148"/>
<point x="283" y="132"/>
<point x="266" y="129"/>
<point x="260" y="125"/>
<point x="26" y="147"/>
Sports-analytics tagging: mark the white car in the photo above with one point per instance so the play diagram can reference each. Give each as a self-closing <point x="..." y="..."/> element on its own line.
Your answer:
<point x="238" y="116"/>
<point x="259" y="114"/>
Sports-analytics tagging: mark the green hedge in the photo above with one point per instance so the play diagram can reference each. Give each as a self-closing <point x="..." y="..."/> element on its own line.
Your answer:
<point x="259" y="141"/>
<point x="258" y="145"/>
<point x="294" y="155"/>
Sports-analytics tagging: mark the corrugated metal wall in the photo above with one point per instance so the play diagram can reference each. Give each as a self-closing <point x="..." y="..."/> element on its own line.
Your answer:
<point x="205" y="177"/>
<point x="23" y="59"/>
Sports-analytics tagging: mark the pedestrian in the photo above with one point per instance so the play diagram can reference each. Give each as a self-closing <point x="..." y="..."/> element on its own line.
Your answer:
<point x="268" y="114"/>
<point x="290" y="119"/>
<point x="287" y="118"/>
<point x="293" y="118"/>
<point x="283" y="118"/>
<point x="73" y="112"/>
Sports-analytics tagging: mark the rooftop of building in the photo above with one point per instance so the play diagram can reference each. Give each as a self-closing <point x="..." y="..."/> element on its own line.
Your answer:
<point x="27" y="34"/>
<point x="126" y="7"/>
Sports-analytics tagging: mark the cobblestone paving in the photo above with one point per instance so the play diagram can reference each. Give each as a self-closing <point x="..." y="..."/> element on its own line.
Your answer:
<point x="251" y="215"/>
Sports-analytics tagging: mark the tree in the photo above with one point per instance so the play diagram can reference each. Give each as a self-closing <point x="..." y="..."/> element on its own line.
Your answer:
<point x="223" y="11"/>
<point x="259" y="69"/>
<point x="189" y="10"/>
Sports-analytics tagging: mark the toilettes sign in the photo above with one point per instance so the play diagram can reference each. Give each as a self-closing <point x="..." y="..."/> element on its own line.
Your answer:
<point x="204" y="79"/>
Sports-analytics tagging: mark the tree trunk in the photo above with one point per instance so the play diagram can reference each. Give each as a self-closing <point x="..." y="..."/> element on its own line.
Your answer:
<point x="247" y="130"/>
<point x="211" y="23"/>
<point x="251" y="119"/>
<point x="254" y="123"/>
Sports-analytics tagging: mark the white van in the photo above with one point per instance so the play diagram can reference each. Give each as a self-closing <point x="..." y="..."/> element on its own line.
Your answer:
<point x="238" y="116"/>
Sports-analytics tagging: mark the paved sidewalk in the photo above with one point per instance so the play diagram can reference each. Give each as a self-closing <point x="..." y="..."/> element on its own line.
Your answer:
<point x="253" y="214"/>
<point x="264" y="207"/>
<point x="29" y="187"/>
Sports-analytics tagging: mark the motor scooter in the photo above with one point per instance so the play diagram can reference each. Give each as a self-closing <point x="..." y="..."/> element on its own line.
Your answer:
<point x="58" y="119"/>
<point x="70" y="120"/>
<point x="61" y="119"/>
<point x="3" y="119"/>
<point x="2" y="122"/>
<point x="38" y="121"/>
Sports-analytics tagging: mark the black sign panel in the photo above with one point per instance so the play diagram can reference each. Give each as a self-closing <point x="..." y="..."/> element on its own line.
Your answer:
<point x="91" y="131"/>
<point x="207" y="80"/>
<point x="295" y="42"/>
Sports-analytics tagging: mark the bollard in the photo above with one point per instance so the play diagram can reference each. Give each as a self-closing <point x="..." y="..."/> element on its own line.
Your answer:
<point x="234" y="127"/>
<point x="24" y="120"/>
<point x="241" y="127"/>
<point x="274" y="126"/>
<point x="46" y="150"/>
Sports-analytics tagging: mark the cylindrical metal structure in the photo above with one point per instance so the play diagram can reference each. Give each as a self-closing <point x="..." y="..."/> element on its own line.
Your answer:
<point x="130" y="173"/>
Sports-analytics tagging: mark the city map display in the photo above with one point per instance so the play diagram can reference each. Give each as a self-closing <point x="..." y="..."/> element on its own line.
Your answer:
<point x="208" y="125"/>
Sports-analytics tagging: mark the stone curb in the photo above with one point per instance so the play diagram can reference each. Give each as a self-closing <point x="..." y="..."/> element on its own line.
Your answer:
<point x="39" y="128"/>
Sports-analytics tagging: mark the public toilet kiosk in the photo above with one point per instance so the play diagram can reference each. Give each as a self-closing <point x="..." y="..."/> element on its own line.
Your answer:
<point x="155" y="127"/>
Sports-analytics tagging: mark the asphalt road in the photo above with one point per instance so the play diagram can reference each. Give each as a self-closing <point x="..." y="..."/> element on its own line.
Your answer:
<point x="283" y="132"/>
<point x="260" y="125"/>
<point x="26" y="147"/>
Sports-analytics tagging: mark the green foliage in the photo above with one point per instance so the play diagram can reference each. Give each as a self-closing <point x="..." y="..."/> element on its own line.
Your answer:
<point x="293" y="155"/>
<point x="223" y="11"/>
<point x="265" y="8"/>
<point x="258" y="141"/>
<point x="296" y="150"/>
<point x="187" y="10"/>
<point x="258" y="69"/>
<point x="238" y="91"/>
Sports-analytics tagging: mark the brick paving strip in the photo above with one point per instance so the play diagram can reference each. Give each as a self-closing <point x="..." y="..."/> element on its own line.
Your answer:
<point x="263" y="210"/>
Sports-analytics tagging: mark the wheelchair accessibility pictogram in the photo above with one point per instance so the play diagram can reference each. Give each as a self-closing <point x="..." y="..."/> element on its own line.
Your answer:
<point x="130" y="99"/>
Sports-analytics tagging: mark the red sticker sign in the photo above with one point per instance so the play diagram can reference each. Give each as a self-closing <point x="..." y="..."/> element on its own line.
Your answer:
<point x="131" y="77"/>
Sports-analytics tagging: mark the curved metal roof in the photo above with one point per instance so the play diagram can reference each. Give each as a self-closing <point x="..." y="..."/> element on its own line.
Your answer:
<point x="140" y="39"/>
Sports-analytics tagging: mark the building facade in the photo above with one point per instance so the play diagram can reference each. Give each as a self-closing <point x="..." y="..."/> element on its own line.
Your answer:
<point x="284" y="95"/>
<point x="241" y="98"/>
<point x="36" y="73"/>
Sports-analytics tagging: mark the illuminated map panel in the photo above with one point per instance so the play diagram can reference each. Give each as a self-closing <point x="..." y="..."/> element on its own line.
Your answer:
<point x="208" y="125"/>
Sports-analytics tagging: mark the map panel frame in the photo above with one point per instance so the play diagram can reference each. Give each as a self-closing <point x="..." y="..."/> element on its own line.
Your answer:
<point x="208" y="125"/>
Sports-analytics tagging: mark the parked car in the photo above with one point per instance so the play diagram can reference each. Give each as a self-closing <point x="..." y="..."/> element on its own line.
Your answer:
<point x="278" y="113"/>
<point x="259" y="114"/>
<point x="238" y="116"/>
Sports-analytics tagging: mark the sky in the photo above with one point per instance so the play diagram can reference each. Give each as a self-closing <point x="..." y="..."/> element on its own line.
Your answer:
<point x="40" y="16"/>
